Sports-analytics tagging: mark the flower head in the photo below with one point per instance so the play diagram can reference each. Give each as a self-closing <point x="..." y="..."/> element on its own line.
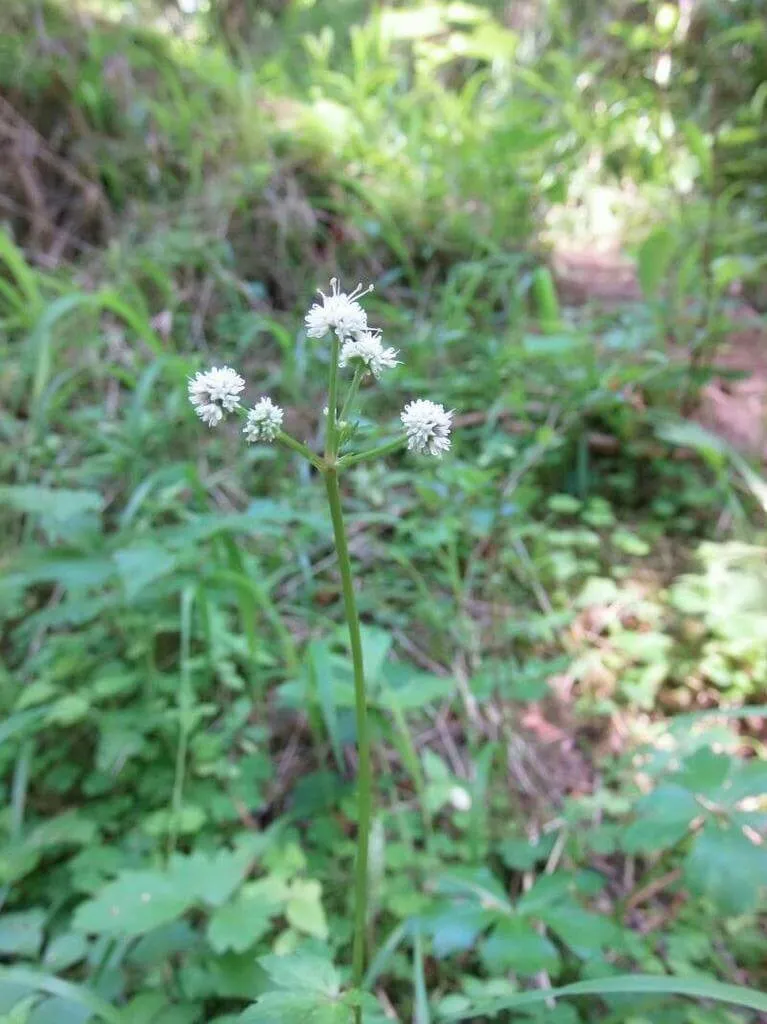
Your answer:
<point x="338" y="312"/>
<point x="367" y="347"/>
<point x="427" y="426"/>
<point x="214" y="392"/>
<point x="264" y="421"/>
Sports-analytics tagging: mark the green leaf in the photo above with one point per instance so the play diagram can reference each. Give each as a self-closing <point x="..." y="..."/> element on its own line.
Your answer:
<point x="55" y="506"/>
<point x="303" y="972"/>
<point x="65" y="990"/>
<point x="304" y="908"/>
<point x="22" y="934"/>
<point x="726" y="866"/>
<point x="654" y="258"/>
<point x="421" y="1013"/>
<point x="514" y="945"/>
<point x="136" y="902"/>
<point x="584" y="933"/>
<point x="547" y="890"/>
<point x="637" y="984"/>
<point x="142" y="564"/>
<point x="457" y="928"/>
<point x="704" y="771"/>
<point x="238" y="925"/>
<point x="296" y="1008"/>
<point x="64" y="951"/>
<point x="60" y="1011"/>
<point x="663" y="818"/>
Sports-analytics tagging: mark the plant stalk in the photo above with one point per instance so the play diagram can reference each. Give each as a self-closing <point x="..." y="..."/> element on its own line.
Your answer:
<point x="364" y="772"/>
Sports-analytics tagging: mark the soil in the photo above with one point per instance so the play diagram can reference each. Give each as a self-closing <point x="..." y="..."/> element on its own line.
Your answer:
<point x="734" y="409"/>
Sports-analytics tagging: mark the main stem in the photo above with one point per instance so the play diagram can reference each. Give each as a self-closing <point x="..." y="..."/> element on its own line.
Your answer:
<point x="364" y="771"/>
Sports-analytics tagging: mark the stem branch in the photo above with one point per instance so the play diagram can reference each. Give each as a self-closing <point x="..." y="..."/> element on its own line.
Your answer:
<point x="373" y="453"/>
<point x="330" y="429"/>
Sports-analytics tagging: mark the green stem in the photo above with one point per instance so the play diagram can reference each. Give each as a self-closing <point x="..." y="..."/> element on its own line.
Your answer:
<point x="373" y="453"/>
<point x="364" y="771"/>
<point x="351" y="394"/>
<point x="290" y="442"/>
<point x="330" y="429"/>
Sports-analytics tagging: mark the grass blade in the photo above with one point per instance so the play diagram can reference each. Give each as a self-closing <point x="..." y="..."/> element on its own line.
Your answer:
<point x="65" y="990"/>
<point x="638" y="984"/>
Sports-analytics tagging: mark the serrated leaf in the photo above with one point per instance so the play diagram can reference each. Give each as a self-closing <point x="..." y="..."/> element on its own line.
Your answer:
<point x="726" y="866"/>
<point x="304" y="908"/>
<point x="514" y="945"/>
<point x="704" y="771"/>
<point x="238" y="925"/>
<point x="584" y="933"/>
<point x="663" y="818"/>
<point x="457" y="928"/>
<point x="296" y="1008"/>
<point x="303" y="972"/>
<point x="136" y="902"/>
<point x="547" y="890"/>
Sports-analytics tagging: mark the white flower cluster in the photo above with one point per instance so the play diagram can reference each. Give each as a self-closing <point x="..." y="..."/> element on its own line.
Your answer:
<point x="338" y="312"/>
<point x="367" y="348"/>
<point x="264" y="421"/>
<point x="215" y="392"/>
<point x="427" y="426"/>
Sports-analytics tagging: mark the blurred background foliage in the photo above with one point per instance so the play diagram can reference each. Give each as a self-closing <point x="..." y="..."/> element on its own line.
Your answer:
<point x="562" y="205"/>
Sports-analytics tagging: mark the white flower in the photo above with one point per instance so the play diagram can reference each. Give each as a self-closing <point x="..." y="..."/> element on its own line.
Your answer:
<point x="427" y="426"/>
<point x="367" y="347"/>
<point x="264" y="421"/>
<point x="215" y="392"/>
<point x="338" y="312"/>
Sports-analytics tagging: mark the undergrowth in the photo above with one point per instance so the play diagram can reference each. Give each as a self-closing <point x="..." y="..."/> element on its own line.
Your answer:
<point x="563" y="623"/>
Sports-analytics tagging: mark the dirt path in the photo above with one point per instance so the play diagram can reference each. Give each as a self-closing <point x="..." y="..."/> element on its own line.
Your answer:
<point x="736" y="410"/>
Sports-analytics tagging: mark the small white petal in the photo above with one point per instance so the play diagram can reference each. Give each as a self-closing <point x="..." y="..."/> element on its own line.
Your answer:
<point x="263" y="422"/>
<point x="427" y="426"/>
<point x="214" y="392"/>
<point x="367" y="347"/>
<point x="338" y="312"/>
<point x="210" y="414"/>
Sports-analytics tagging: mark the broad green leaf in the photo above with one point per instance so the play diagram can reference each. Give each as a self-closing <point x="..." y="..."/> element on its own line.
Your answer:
<point x="457" y="928"/>
<point x="546" y="891"/>
<point x="21" y="934"/>
<point x="60" y="1011"/>
<point x="704" y="771"/>
<point x="64" y="951"/>
<point x="55" y="505"/>
<point x="636" y="984"/>
<point x="134" y="903"/>
<point x="142" y="564"/>
<point x="238" y="925"/>
<point x="304" y="908"/>
<point x="663" y="818"/>
<point x="65" y="990"/>
<point x="515" y="945"/>
<point x="303" y="972"/>
<point x="654" y="258"/>
<point x="212" y="878"/>
<point x="296" y="1008"/>
<point x="583" y="932"/>
<point x="726" y="866"/>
